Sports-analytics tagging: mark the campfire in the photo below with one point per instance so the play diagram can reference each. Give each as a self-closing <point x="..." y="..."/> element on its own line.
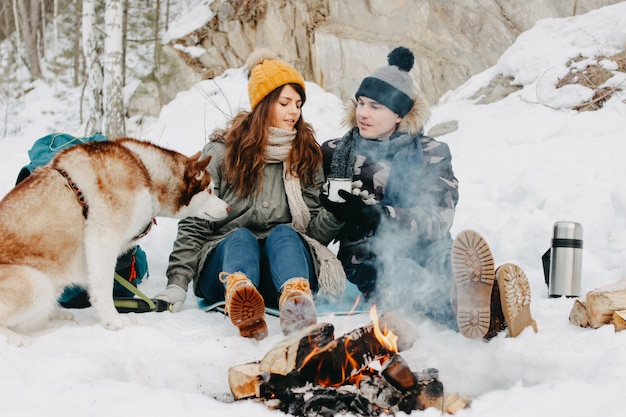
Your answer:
<point x="310" y="373"/>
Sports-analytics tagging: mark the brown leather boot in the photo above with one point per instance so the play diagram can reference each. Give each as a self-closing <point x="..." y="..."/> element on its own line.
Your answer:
<point x="496" y="322"/>
<point x="515" y="298"/>
<point x="296" y="306"/>
<point x="473" y="271"/>
<point x="244" y="305"/>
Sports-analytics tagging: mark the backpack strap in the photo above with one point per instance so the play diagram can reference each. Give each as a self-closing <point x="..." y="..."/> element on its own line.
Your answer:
<point x="130" y="305"/>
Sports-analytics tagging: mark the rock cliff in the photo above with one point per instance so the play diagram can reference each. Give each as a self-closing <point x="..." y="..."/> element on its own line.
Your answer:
<point x="335" y="43"/>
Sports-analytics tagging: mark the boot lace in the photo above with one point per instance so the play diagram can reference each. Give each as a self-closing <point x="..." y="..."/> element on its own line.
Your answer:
<point x="294" y="285"/>
<point x="232" y="281"/>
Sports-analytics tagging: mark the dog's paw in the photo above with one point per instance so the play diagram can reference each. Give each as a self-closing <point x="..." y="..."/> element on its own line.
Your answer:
<point x="13" y="338"/>
<point x="117" y="322"/>
<point x="61" y="315"/>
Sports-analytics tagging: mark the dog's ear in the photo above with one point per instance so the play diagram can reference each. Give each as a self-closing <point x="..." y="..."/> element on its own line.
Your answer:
<point x="197" y="178"/>
<point x="195" y="166"/>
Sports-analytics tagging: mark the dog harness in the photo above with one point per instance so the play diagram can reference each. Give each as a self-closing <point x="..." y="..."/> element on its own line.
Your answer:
<point x="77" y="191"/>
<point x="83" y="203"/>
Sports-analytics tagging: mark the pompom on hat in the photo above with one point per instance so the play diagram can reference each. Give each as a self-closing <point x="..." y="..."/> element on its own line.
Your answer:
<point x="392" y="85"/>
<point x="266" y="73"/>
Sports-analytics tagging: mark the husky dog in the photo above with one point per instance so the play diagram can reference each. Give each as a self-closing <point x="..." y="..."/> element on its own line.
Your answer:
<point x="67" y="223"/>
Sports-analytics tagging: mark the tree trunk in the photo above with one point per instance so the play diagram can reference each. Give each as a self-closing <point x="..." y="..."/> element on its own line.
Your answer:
<point x="167" y="15"/>
<point x="18" y="37"/>
<point x="76" y="59"/>
<point x="113" y="120"/>
<point x="55" y="30"/>
<point x="29" y="21"/>
<point x="124" y="40"/>
<point x="157" y="43"/>
<point x="93" y="68"/>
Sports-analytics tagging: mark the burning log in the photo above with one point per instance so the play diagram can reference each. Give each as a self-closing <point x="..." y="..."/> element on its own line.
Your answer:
<point x="245" y="380"/>
<point x="393" y="389"/>
<point x="291" y="353"/>
<point x="333" y="364"/>
<point x="312" y="374"/>
<point x="318" y="358"/>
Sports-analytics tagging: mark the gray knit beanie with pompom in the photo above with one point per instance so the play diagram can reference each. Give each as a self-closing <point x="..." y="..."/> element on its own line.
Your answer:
<point x="392" y="86"/>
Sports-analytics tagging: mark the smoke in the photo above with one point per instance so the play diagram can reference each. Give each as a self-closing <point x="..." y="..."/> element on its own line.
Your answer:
<point x="413" y="275"/>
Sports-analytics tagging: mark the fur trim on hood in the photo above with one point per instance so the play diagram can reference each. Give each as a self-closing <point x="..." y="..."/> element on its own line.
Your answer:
<point x="413" y="122"/>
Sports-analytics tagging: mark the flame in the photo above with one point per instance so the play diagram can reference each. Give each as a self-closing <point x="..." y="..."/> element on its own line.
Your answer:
<point x="347" y="368"/>
<point x="387" y="338"/>
<point x="334" y="364"/>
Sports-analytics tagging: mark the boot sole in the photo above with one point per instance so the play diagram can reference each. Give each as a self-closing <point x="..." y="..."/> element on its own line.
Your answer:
<point x="473" y="271"/>
<point x="515" y="298"/>
<point x="297" y="313"/>
<point x="247" y="312"/>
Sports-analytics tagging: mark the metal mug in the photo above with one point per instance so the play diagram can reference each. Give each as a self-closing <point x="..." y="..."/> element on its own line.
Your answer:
<point x="336" y="184"/>
<point x="566" y="257"/>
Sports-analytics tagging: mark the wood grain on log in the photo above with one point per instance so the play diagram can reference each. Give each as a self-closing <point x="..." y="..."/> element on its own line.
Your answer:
<point x="245" y="380"/>
<point x="578" y="316"/>
<point x="290" y="353"/>
<point x="619" y="320"/>
<point x="601" y="304"/>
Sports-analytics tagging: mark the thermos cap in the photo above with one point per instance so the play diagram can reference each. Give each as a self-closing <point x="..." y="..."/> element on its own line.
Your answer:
<point x="568" y="230"/>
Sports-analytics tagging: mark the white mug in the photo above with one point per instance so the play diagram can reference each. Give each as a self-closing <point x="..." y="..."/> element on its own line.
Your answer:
<point x="336" y="184"/>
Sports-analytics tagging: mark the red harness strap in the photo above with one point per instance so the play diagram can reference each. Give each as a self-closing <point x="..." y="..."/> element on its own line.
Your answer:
<point x="83" y="203"/>
<point x="79" y="194"/>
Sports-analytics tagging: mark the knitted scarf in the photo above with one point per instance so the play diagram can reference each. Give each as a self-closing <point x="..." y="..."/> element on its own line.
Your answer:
<point x="331" y="278"/>
<point x="403" y="149"/>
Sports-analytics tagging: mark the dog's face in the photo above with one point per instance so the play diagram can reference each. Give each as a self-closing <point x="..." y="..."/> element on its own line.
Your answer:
<point x="199" y="200"/>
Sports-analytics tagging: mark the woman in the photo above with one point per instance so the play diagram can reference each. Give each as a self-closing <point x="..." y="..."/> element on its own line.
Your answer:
<point x="268" y="166"/>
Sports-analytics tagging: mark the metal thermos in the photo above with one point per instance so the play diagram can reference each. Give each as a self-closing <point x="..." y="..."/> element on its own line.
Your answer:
<point x="566" y="258"/>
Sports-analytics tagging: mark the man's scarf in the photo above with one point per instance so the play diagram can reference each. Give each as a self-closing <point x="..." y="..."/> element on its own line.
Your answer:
<point x="403" y="149"/>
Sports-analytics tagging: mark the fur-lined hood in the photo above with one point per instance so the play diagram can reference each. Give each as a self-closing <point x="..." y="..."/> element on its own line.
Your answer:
<point x="413" y="122"/>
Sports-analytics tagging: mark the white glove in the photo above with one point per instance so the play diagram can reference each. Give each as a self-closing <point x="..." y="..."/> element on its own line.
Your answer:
<point x="365" y="196"/>
<point x="173" y="295"/>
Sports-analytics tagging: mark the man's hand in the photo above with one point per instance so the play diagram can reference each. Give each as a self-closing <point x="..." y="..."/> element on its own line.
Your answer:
<point x="355" y="210"/>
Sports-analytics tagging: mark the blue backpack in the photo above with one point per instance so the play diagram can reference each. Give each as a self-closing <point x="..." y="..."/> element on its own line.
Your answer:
<point x="45" y="148"/>
<point x="131" y="268"/>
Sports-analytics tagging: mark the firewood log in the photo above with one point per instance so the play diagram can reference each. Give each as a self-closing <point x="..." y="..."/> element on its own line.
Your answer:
<point x="619" y="320"/>
<point x="454" y="402"/>
<point x="579" y="316"/>
<point x="333" y="364"/>
<point x="245" y="380"/>
<point x="288" y="355"/>
<point x="602" y="302"/>
<point x="430" y="389"/>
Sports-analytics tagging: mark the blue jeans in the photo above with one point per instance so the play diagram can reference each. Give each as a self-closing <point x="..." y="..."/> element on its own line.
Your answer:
<point x="268" y="263"/>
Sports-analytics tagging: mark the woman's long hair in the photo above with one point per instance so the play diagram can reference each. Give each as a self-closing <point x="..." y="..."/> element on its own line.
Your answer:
<point x="246" y="137"/>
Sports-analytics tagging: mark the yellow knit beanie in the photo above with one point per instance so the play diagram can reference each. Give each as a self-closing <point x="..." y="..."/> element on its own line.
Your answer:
<point x="267" y="73"/>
